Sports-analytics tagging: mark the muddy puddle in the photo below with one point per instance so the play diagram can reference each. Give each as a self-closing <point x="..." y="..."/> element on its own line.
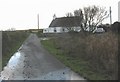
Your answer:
<point x="14" y="67"/>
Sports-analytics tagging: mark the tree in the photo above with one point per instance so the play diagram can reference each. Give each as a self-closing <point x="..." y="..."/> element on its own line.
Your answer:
<point x="78" y="12"/>
<point x="115" y="27"/>
<point x="69" y="14"/>
<point x="93" y="16"/>
<point x="11" y="29"/>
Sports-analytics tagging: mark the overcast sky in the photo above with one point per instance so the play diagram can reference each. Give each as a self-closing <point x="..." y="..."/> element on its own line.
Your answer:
<point x="22" y="14"/>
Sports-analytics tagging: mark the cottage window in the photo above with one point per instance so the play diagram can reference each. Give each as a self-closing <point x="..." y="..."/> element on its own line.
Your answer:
<point x="63" y="29"/>
<point x="55" y="30"/>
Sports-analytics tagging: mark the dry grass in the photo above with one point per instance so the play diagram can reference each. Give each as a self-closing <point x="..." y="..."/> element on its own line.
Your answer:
<point x="100" y="50"/>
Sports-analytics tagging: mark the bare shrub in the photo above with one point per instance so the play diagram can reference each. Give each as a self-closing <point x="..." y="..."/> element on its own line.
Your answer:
<point x="101" y="50"/>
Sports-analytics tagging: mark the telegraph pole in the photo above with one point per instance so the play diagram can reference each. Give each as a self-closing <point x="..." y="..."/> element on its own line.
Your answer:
<point x="38" y="20"/>
<point x="119" y="11"/>
<point x="110" y="16"/>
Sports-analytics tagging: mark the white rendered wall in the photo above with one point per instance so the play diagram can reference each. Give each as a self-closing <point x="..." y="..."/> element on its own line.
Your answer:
<point x="59" y="29"/>
<point x="48" y="30"/>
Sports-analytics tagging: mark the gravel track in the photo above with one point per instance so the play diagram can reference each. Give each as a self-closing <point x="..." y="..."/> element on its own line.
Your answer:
<point x="35" y="63"/>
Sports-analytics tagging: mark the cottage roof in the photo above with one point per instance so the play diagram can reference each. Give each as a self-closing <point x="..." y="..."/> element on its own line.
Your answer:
<point x="66" y="22"/>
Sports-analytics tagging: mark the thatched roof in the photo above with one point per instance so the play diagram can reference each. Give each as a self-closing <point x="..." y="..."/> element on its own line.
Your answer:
<point x="66" y="22"/>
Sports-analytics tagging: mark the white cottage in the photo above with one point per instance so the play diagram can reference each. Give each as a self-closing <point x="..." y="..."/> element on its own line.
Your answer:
<point x="64" y="24"/>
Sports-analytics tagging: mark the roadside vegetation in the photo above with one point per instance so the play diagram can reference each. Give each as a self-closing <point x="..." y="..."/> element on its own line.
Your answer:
<point x="93" y="56"/>
<point x="39" y="33"/>
<point x="90" y="54"/>
<point x="11" y="41"/>
<point x="0" y="65"/>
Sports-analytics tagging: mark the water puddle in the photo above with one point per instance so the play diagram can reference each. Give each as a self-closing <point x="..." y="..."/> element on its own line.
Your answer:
<point x="14" y="60"/>
<point x="14" y="66"/>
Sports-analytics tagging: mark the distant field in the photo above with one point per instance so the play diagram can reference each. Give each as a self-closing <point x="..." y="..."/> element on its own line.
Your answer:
<point x="11" y="42"/>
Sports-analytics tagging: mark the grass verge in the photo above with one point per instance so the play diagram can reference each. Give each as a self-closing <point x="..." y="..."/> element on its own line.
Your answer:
<point x="0" y="66"/>
<point x="7" y="56"/>
<point x="11" y="42"/>
<point x="78" y="65"/>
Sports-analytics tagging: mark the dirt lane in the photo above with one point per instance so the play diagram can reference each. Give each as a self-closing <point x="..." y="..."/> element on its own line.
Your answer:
<point x="37" y="64"/>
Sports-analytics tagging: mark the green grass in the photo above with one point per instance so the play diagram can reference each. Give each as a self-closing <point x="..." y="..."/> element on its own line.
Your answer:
<point x="0" y="65"/>
<point x="78" y="65"/>
<point x="11" y="52"/>
<point x="11" y="42"/>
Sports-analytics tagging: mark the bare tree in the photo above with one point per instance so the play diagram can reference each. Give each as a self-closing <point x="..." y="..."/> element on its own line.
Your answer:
<point x="93" y="16"/>
<point x="90" y="16"/>
<point x="78" y="12"/>
<point x="11" y="29"/>
<point x="69" y="14"/>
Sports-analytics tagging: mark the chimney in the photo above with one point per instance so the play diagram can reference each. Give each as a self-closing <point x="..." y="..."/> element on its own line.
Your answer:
<point x="54" y="16"/>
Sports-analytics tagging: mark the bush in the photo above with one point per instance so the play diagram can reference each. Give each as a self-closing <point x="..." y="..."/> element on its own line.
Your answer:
<point x="115" y="27"/>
